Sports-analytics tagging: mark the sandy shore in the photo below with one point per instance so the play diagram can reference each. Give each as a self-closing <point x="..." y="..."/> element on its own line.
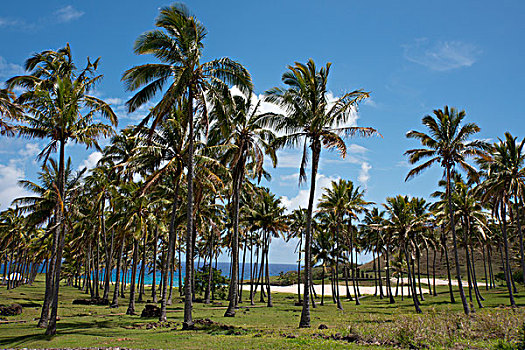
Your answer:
<point x="366" y="290"/>
<point x="328" y="289"/>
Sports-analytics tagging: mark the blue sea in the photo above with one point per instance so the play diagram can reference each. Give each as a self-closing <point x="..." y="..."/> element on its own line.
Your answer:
<point x="274" y="269"/>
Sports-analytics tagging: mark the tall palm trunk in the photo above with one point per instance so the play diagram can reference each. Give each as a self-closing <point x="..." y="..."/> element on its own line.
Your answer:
<point x="352" y="265"/>
<point x="454" y="241"/>
<point x="114" y="303"/>
<point x="305" y="314"/>
<point x="508" y="274"/>
<point x="267" y="249"/>
<point x="188" y="302"/>
<point x="207" y="293"/>
<point x="299" y="268"/>
<point x="132" y="290"/>
<point x="449" y="276"/>
<point x="411" y="282"/>
<point x="154" y="282"/>
<point x="520" y="235"/>
<point x="61" y="233"/>
<point x="238" y="175"/>
<point x="171" y="250"/>
<point x="242" y="272"/>
<point x="109" y="262"/>
<point x="388" y="282"/>
<point x="336" y="280"/>
<point x="48" y="295"/>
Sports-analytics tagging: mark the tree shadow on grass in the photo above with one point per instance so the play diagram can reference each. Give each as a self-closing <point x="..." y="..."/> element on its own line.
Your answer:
<point x="63" y="328"/>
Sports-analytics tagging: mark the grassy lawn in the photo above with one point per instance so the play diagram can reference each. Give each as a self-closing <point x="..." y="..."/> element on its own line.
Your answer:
<point x="375" y="324"/>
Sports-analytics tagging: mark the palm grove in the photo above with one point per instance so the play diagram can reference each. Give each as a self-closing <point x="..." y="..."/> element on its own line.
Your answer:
<point x="185" y="183"/>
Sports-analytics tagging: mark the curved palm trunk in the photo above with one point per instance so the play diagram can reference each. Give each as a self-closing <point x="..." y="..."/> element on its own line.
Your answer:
<point x="48" y="295"/>
<point x="454" y="240"/>
<point x="305" y="314"/>
<point x="169" y="255"/>
<point x="188" y="302"/>
<point x="352" y="265"/>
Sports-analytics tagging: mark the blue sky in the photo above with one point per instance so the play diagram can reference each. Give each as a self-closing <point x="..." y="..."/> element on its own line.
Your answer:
<point x="413" y="56"/>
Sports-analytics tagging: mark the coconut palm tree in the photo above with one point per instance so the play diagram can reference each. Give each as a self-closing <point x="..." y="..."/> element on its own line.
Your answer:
<point x="9" y="110"/>
<point x="239" y="124"/>
<point x="60" y="109"/>
<point x="311" y="119"/>
<point x="506" y="164"/>
<point x="335" y="200"/>
<point x="447" y="144"/>
<point x="504" y="174"/>
<point x="178" y="44"/>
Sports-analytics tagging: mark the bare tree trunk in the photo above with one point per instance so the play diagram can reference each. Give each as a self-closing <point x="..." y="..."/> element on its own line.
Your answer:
<point x="305" y="314"/>
<point x="114" y="303"/>
<point x="131" y="305"/>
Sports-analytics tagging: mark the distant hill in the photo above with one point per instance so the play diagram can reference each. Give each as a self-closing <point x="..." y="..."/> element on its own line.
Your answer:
<point x="441" y="267"/>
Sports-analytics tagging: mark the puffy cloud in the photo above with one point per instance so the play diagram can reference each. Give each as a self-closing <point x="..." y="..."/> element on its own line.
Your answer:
<point x="442" y="55"/>
<point x="9" y="190"/>
<point x="30" y="150"/>
<point x="91" y="161"/>
<point x="301" y="199"/>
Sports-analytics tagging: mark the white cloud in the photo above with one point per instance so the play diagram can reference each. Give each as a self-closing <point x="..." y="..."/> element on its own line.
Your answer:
<point x="9" y="190"/>
<point x="8" y="70"/>
<point x="91" y="161"/>
<point x="364" y="173"/>
<point x="30" y="150"/>
<point x="67" y="14"/>
<point x="357" y="149"/>
<point x="441" y="56"/>
<point x="301" y="199"/>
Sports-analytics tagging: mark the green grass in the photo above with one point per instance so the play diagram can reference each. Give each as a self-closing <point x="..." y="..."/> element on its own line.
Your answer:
<point x="378" y="324"/>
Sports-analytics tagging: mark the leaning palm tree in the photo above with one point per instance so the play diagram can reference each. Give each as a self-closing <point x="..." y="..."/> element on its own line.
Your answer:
<point x="311" y="119"/>
<point x="178" y="44"/>
<point x="60" y="109"/>
<point x="447" y="144"/>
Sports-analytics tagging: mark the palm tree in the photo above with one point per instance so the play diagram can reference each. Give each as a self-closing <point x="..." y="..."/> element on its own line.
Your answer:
<point x="335" y="200"/>
<point x="446" y="144"/>
<point x="297" y="224"/>
<point x="403" y="224"/>
<point x="178" y="44"/>
<point x="312" y="119"/>
<point x="60" y="109"/>
<point x="504" y="181"/>
<point x="9" y="109"/>
<point x="240" y="124"/>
